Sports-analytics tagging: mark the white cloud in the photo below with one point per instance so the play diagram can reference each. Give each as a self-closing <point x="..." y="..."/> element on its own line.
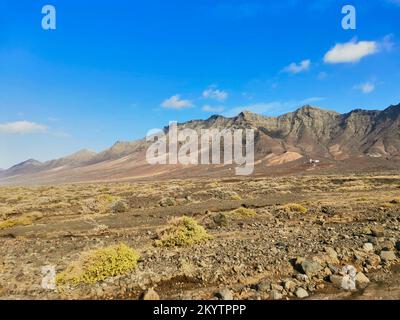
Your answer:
<point x="208" y="108"/>
<point x="351" y="51"/>
<point x="387" y="43"/>
<point x="216" y="94"/>
<point x="298" y="67"/>
<point x="175" y="102"/>
<point x="22" y="127"/>
<point x="366" y="87"/>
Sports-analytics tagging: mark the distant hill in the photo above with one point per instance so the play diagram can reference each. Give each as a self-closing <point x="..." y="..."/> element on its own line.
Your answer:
<point x="357" y="140"/>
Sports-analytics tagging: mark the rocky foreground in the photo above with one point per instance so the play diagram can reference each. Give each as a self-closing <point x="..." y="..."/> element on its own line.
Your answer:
<point x="311" y="237"/>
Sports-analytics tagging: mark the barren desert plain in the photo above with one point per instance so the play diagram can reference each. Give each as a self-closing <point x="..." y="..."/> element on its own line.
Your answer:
<point x="309" y="236"/>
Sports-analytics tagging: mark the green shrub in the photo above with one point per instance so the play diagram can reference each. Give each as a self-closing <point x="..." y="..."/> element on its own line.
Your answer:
<point x="294" y="208"/>
<point x="119" y="206"/>
<point x="235" y="196"/>
<point x="100" y="264"/>
<point x="182" y="232"/>
<point x="21" y="221"/>
<point x="243" y="212"/>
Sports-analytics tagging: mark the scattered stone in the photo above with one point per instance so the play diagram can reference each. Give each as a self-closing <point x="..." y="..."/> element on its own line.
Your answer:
<point x="387" y="245"/>
<point x="310" y="267"/>
<point x="366" y="231"/>
<point x="331" y="253"/>
<point x="320" y="286"/>
<point x="373" y="261"/>
<point x="361" y="280"/>
<point x="387" y="256"/>
<point x="276" y="287"/>
<point x="343" y="282"/>
<point x="150" y="294"/>
<point x="377" y="231"/>
<point x="359" y="257"/>
<point x="264" y="286"/>
<point x="301" y="293"/>
<point x="368" y="247"/>
<point x="289" y="285"/>
<point x="372" y="240"/>
<point x="327" y="271"/>
<point x="275" y="295"/>
<point x="333" y="269"/>
<point x="224" y="294"/>
<point x="302" y="277"/>
<point x="347" y="279"/>
<point x="350" y="271"/>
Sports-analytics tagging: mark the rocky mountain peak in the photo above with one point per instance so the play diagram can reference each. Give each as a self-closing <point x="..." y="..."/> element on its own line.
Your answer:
<point x="393" y="110"/>
<point x="81" y="155"/>
<point x="250" y="118"/>
<point x="29" y="162"/>
<point x="311" y="111"/>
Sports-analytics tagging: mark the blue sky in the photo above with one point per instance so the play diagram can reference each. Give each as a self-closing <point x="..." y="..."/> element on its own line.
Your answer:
<point x="116" y="69"/>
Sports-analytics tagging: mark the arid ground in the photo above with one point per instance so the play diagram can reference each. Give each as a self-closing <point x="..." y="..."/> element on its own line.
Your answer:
<point x="263" y="238"/>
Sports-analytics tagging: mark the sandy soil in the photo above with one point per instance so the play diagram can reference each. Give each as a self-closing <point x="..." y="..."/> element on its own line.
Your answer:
<point x="318" y="221"/>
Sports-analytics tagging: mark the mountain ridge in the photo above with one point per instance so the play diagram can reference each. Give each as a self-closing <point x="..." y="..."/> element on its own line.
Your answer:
<point x="308" y="132"/>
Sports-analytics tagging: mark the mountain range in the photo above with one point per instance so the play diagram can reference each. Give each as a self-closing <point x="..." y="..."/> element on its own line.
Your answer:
<point x="357" y="140"/>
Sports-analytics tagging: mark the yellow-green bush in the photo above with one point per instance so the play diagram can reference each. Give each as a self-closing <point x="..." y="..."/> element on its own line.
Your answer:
<point x="235" y="196"/>
<point x="21" y="221"/>
<point x="103" y="203"/>
<point x="99" y="264"/>
<point x="182" y="232"/>
<point x="294" y="208"/>
<point x="243" y="212"/>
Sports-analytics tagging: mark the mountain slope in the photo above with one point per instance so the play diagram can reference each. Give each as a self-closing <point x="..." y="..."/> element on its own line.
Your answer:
<point x="287" y="141"/>
<point x="26" y="167"/>
<point x="32" y="166"/>
<point x="77" y="158"/>
<point x="118" y="150"/>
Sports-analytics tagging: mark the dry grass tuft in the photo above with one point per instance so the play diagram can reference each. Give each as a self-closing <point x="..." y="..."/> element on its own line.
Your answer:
<point x="243" y="213"/>
<point x="294" y="208"/>
<point x="97" y="265"/>
<point x="21" y="221"/>
<point x="183" y="231"/>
